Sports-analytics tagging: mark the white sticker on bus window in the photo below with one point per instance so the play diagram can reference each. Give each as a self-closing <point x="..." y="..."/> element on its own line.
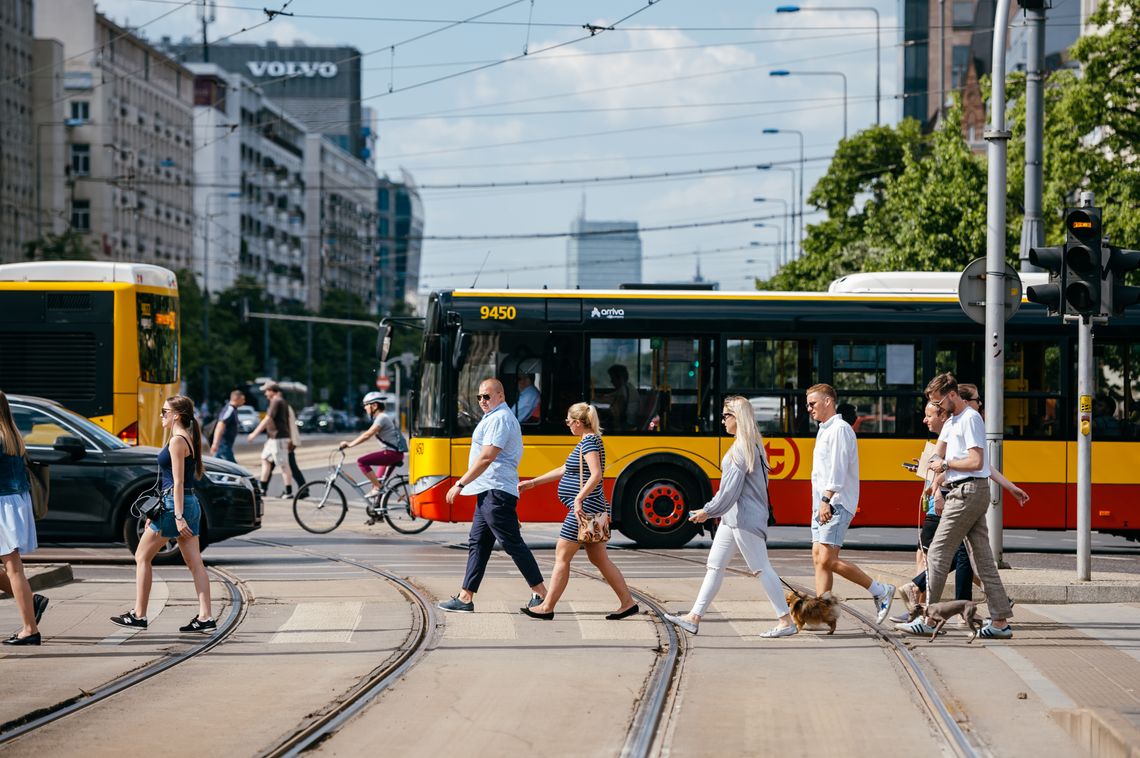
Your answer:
<point x="900" y="364"/>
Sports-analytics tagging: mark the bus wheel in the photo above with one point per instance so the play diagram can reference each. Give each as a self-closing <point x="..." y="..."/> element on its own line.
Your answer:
<point x="657" y="514"/>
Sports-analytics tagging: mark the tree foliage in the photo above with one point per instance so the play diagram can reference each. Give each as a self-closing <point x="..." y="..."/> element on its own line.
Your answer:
<point x="898" y="200"/>
<point x="69" y="246"/>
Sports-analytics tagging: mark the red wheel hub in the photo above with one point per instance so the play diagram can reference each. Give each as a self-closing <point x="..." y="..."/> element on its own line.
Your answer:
<point x="662" y="505"/>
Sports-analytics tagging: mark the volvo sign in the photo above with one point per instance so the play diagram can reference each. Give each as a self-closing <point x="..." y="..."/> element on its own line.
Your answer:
<point x="308" y="69"/>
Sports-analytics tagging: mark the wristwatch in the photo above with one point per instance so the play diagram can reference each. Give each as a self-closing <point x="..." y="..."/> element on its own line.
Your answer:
<point x="944" y="467"/>
<point x="459" y="485"/>
<point x="826" y="499"/>
<point x="179" y="518"/>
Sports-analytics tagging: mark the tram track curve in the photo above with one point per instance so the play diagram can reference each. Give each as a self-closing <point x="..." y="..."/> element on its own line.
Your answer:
<point x="239" y="598"/>
<point x="957" y="738"/>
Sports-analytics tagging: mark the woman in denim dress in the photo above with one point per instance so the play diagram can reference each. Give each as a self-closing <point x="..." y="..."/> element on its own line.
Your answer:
<point x="17" y="528"/>
<point x="180" y="466"/>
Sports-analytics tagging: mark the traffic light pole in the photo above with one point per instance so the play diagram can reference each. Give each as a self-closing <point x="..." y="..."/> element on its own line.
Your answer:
<point x="1084" y="449"/>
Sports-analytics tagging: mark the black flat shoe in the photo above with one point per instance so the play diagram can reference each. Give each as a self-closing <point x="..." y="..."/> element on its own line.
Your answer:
<point x="623" y="614"/>
<point x="537" y="614"/>
<point x="31" y="639"/>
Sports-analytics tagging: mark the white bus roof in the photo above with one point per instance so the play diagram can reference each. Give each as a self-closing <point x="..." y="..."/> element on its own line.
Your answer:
<point x="913" y="282"/>
<point x="89" y="271"/>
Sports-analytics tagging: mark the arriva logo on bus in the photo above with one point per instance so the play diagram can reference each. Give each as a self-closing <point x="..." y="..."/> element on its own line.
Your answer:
<point x="307" y="69"/>
<point x="607" y="313"/>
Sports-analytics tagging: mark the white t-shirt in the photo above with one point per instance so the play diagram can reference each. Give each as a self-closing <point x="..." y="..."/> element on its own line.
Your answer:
<point x="960" y="433"/>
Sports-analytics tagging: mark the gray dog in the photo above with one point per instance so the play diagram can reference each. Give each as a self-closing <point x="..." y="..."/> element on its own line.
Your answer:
<point x="940" y="613"/>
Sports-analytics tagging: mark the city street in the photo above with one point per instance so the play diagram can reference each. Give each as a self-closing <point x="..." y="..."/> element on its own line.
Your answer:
<point x="312" y="625"/>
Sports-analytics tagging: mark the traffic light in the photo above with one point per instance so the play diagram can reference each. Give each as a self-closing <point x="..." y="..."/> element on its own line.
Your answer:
<point x="1084" y="263"/>
<point x="1117" y="294"/>
<point x="1050" y="295"/>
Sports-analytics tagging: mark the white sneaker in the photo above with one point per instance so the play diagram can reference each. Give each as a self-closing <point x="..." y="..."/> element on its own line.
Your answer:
<point x="682" y="622"/>
<point x="780" y="631"/>
<point x="883" y="603"/>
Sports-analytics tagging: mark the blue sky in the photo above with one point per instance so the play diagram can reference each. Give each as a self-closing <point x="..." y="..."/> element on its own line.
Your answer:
<point x="678" y="88"/>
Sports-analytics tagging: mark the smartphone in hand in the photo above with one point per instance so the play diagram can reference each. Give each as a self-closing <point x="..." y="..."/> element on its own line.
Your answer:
<point x="910" y="466"/>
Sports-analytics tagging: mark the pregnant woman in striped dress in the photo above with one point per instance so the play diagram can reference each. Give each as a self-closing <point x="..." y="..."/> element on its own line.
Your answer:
<point x="580" y="491"/>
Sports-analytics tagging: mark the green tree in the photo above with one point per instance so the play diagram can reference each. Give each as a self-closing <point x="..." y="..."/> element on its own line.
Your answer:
<point x="69" y="246"/>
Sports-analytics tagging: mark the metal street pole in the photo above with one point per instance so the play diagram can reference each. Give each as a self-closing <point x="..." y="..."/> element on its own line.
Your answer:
<point x="878" y="45"/>
<point x="997" y="138"/>
<point x="1084" y="448"/>
<point x="785" y="254"/>
<point x="800" y="135"/>
<point x="779" y="240"/>
<point x="792" y="198"/>
<point x="1032" y="225"/>
<point x="840" y="74"/>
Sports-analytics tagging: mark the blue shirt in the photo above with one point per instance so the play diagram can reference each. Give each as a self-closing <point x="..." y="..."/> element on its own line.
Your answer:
<point x="528" y="403"/>
<point x="499" y="428"/>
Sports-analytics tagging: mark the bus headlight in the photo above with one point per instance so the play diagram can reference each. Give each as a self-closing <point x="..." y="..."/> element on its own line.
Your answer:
<point x="425" y="483"/>
<point x="225" y="480"/>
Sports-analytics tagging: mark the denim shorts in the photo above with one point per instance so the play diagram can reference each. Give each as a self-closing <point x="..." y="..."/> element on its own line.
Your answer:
<point x="833" y="532"/>
<point x="191" y="509"/>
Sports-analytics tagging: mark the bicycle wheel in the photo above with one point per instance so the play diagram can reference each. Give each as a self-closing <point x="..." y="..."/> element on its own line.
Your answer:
<point x="319" y="507"/>
<point x="397" y="506"/>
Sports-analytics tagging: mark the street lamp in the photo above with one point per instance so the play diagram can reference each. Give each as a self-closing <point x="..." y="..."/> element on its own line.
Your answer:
<point x="791" y="196"/>
<point x="878" y="50"/>
<point x="800" y="135"/>
<point x="779" y="240"/>
<point x="784" y="203"/>
<point x="785" y="72"/>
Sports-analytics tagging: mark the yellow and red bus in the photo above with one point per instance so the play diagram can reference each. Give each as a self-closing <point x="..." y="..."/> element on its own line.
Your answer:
<point x="657" y="365"/>
<point x="100" y="338"/>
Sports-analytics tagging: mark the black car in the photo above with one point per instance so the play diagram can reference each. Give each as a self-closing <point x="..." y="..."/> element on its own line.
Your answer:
<point x="95" y="477"/>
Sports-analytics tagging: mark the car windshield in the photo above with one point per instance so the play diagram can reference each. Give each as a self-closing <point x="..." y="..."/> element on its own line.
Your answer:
<point x="91" y="429"/>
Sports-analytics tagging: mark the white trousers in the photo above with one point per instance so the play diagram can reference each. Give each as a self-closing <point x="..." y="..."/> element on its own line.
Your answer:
<point x="755" y="551"/>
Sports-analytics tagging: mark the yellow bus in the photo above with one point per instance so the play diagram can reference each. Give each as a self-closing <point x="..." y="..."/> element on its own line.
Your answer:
<point x="100" y="338"/>
<point x="657" y="365"/>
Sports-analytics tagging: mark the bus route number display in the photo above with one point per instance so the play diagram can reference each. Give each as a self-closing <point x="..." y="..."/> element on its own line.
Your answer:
<point x="497" y="312"/>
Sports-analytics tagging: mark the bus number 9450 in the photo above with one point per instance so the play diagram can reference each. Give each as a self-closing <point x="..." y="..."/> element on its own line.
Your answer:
<point x="497" y="312"/>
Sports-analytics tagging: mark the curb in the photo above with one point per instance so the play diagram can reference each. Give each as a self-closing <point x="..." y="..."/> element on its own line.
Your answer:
<point x="1101" y="732"/>
<point x="42" y="576"/>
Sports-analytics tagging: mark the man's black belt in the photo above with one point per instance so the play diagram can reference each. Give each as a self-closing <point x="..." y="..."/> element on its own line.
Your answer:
<point x="959" y="482"/>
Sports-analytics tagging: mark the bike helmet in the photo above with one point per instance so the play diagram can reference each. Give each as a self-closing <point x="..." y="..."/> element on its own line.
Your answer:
<point x="373" y="397"/>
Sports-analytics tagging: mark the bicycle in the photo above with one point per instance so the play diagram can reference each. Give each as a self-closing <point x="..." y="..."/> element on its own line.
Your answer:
<point x="320" y="506"/>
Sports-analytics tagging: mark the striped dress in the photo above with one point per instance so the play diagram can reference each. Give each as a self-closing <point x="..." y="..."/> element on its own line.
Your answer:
<point x="568" y="485"/>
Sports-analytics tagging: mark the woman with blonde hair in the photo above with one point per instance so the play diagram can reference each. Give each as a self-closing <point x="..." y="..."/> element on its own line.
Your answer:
<point x="580" y="490"/>
<point x="742" y="505"/>
<point x="180" y="467"/>
<point x="17" y="528"/>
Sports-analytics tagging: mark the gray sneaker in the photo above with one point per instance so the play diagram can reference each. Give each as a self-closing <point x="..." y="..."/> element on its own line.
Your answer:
<point x="455" y="605"/>
<point x="883" y="603"/>
<point x="535" y="599"/>
<point x="682" y="622"/>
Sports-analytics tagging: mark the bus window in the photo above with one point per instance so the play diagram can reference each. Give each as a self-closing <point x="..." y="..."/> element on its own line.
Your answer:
<point x="882" y="384"/>
<point x="617" y="389"/>
<point x="1032" y="389"/>
<point x="158" y="337"/>
<point x="504" y="356"/>
<point x="482" y="362"/>
<point x="773" y="374"/>
<point x="1114" y="414"/>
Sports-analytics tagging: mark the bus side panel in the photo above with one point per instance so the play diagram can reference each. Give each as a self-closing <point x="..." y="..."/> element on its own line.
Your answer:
<point x="1116" y="485"/>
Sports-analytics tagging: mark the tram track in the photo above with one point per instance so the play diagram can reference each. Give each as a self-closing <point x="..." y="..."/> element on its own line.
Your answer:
<point x="957" y="738"/>
<point x="239" y="598"/>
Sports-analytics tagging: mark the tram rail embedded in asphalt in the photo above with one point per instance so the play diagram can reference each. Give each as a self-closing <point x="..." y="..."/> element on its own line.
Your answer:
<point x="238" y="607"/>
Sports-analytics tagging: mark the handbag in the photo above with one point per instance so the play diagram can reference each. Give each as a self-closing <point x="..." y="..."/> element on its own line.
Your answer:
<point x="39" y="486"/>
<point x="149" y="504"/>
<point x="592" y="527"/>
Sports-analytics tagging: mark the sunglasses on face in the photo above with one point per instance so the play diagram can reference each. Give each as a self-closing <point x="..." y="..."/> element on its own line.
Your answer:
<point x="724" y="416"/>
<point x="482" y="397"/>
<point x="165" y="411"/>
<point x="570" y="421"/>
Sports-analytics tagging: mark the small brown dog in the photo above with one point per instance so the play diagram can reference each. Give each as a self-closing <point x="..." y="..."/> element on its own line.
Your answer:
<point x="942" y="612"/>
<point x="813" y="610"/>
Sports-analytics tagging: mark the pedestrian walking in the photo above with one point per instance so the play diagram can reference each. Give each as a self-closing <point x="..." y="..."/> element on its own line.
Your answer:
<point x="581" y="494"/>
<point x="180" y="468"/>
<point x="962" y="456"/>
<point x="17" y="529"/>
<point x="226" y="428"/>
<point x="276" y="449"/>
<point x="835" y="499"/>
<point x="383" y="428"/>
<point x="492" y="475"/>
<point x="742" y="505"/>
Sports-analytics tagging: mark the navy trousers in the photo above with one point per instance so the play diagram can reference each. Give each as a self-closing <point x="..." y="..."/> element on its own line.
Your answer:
<point x="496" y="518"/>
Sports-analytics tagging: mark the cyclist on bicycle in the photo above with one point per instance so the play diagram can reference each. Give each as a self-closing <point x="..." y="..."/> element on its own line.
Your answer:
<point x="384" y="429"/>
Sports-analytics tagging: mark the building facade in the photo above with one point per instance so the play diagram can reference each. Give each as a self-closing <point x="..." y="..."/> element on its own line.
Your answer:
<point x="319" y="86"/>
<point x="399" y="240"/>
<point x="17" y="130"/>
<point x="603" y="254"/>
<point x="340" y="213"/>
<point x="129" y="138"/>
<point x="249" y="188"/>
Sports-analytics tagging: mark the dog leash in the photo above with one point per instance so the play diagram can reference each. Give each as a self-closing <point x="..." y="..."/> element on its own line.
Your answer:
<point x="793" y="589"/>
